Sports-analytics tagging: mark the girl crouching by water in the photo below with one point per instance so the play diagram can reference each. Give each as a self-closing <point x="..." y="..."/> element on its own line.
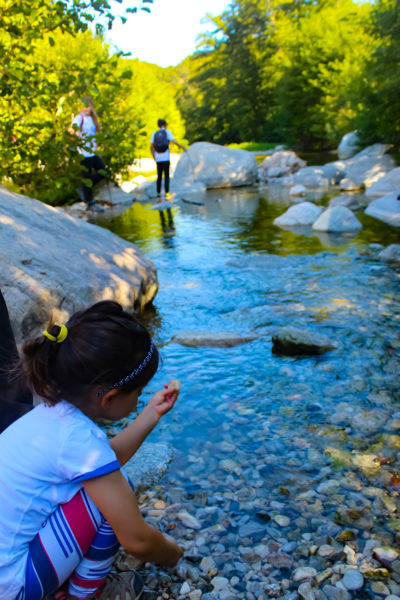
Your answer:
<point x="65" y="505"/>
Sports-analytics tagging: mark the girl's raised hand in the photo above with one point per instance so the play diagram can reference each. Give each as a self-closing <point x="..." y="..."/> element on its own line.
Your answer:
<point x="164" y="400"/>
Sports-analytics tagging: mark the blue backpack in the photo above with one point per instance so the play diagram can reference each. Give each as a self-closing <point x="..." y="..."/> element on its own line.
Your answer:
<point x="161" y="141"/>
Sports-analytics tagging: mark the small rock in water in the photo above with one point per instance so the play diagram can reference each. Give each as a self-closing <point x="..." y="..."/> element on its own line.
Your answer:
<point x="293" y="341"/>
<point x="385" y="554"/>
<point x="304" y="573"/>
<point x="185" y="589"/>
<point x="208" y="565"/>
<point x="353" y="580"/>
<point x="219" y="583"/>
<point x="282" y="520"/>
<point x="188" y="520"/>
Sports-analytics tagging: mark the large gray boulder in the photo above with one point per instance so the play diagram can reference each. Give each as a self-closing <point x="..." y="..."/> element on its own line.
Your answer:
<point x="388" y="184"/>
<point x="280" y="164"/>
<point x="50" y="259"/>
<point x="369" y="165"/>
<point x="215" y="166"/>
<point x="301" y="214"/>
<point x="385" y="209"/>
<point x="348" y="146"/>
<point x="334" y="171"/>
<point x="314" y="177"/>
<point x="337" y="219"/>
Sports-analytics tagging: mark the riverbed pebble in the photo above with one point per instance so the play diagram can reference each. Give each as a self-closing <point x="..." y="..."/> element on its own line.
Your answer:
<point x="353" y="580"/>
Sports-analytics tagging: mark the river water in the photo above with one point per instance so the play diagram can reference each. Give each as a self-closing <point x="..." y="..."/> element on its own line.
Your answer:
<point x="282" y="463"/>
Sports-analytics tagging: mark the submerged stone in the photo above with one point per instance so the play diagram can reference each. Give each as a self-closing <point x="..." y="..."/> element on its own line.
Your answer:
<point x="217" y="340"/>
<point x="293" y="341"/>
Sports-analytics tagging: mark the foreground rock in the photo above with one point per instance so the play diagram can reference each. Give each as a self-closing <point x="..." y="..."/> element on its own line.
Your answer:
<point x="304" y="213"/>
<point x="148" y="465"/>
<point x="217" y="340"/>
<point x="293" y="341"/>
<point x="337" y="219"/>
<point x="53" y="260"/>
<point x="215" y="166"/>
<point x="385" y="209"/>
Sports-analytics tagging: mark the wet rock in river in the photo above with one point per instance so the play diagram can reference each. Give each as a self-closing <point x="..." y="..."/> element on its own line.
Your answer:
<point x="303" y="573"/>
<point x="149" y="464"/>
<point x="218" y="340"/>
<point x="295" y="341"/>
<point x="385" y="555"/>
<point x="391" y="254"/>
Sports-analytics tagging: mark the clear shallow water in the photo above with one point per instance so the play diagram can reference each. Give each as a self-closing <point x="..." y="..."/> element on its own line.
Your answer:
<point x="285" y="425"/>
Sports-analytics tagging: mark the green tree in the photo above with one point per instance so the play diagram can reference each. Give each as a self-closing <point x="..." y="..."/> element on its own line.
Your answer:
<point x="324" y="54"/>
<point x="378" y="117"/>
<point x="227" y="75"/>
<point x="151" y="96"/>
<point x="45" y="68"/>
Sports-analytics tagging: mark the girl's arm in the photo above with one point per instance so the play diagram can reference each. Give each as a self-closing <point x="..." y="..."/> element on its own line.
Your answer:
<point x="116" y="500"/>
<point x="127" y="442"/>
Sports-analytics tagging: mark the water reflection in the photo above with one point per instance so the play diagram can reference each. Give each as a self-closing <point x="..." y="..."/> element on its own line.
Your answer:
<point x="168" y="228"/>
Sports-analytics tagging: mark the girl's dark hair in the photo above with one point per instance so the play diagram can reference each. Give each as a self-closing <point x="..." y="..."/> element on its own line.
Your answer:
<point x="162" y="123"/>
<point x="103" y="346"/>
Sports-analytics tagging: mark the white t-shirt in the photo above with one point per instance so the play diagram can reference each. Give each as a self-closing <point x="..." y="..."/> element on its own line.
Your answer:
<point x="87" y="129"/>
<point x="44" y="457"/>
<point x="162" y="156"/>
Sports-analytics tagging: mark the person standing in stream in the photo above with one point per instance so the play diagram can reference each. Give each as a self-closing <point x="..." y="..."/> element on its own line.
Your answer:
<point x="159" y="146"/>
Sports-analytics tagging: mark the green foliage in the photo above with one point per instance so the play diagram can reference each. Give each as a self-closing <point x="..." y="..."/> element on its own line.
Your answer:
<point x="285" y="71"/>
<point x="152" y="97"/>
<point x="225" y="98"/>
<point x="378" y="117"/>
<point x="325" y="53"/>
<point x="46" y="68"/>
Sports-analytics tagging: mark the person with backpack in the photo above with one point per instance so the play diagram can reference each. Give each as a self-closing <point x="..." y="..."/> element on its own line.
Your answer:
<point x="85" y="125"/>
<point x="159" y="146"/>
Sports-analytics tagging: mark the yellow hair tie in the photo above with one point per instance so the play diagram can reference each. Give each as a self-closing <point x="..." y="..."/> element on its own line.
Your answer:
<point x="60" y="337"/>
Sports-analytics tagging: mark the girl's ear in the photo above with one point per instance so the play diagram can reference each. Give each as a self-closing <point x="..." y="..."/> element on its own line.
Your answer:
<point x="107" y="399"/>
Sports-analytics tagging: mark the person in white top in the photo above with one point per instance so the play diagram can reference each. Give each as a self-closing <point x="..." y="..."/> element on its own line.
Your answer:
<point x="66" y="507"/>
<point x="85" y="125"/>
<point x="159" y="146"/>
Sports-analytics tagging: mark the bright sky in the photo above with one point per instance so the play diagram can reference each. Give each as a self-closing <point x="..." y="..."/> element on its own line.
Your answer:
<point x="168" y="34"/>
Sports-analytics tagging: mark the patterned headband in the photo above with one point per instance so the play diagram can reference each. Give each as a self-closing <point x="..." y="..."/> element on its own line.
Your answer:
<point x="132" y="375"/>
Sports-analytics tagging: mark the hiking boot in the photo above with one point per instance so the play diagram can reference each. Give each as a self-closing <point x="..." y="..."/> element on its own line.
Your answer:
<point x="127" y="585"/>
<point x="168" y="196"/>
